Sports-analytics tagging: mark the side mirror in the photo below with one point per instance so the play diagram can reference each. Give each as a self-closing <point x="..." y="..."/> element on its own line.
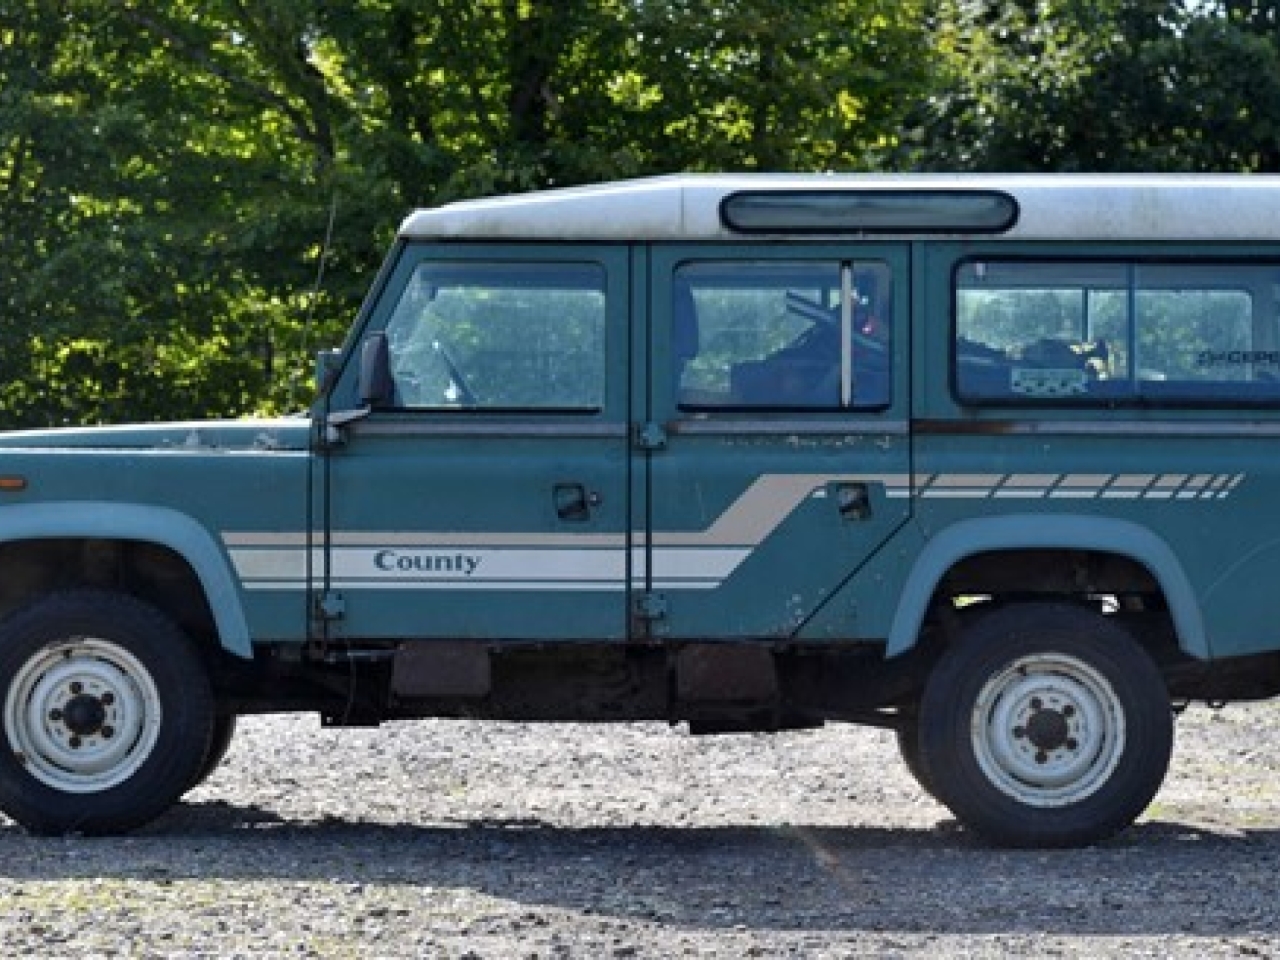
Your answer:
<point x="376" y="386"/>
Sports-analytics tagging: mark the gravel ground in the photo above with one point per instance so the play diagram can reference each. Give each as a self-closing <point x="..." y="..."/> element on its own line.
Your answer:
<point x="473" y="840"/>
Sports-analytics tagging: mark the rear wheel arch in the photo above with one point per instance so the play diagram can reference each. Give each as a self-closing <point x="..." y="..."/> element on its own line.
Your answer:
<point x="967" y="539"/>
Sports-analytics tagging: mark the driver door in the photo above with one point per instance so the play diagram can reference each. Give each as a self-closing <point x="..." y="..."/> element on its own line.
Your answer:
<point x="486" y="494"/>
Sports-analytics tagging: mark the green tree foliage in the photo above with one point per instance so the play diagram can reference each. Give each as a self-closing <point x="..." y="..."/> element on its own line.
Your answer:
<point x="169" y="170"/>
<point x="761" y="85"/>
<point x="1105" y="85"/>
<point x="124" y="221"/>
<point x="176" y="175"/>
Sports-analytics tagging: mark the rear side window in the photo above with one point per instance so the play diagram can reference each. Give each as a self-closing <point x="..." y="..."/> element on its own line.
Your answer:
<point x="1116" y="331"/>
<point x="781" y="335"/>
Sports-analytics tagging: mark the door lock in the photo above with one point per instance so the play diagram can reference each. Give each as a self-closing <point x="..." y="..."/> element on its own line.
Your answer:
<point x="574" y="502"/>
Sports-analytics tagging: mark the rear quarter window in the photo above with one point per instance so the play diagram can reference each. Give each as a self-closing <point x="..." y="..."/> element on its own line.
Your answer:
<point x="1114" y="332"/>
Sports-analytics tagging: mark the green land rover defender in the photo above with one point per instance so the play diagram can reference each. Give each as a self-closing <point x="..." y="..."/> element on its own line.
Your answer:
<point x="989" y="461"/>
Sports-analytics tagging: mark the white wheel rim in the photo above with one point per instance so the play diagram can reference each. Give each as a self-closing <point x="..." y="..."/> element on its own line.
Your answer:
<point x="1048" y="730"/>
<point x="82" y="715"/>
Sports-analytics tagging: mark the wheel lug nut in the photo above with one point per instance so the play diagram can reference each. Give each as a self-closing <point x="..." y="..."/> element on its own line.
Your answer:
<point x="1068" y="711"/>
<point x="107" y="699"/>
<point x="55" y="716"/>
<point x="75" y="743"/>
<point x="108" y="732"/>
<point x="1019" y="732"/>
<point x="77" y="688"/>
<point x="1072" y="743"/>
<point x="1037" y="703"/>
<point x="1042" y="757"/>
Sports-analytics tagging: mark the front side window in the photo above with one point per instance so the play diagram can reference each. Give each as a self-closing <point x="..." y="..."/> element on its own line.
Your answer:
<point x="1116" y="331"/>
<point x="500" y="336"/>
<point x="781" y="335"/>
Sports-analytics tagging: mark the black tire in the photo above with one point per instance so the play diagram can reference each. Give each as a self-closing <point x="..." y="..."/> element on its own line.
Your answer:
<point x="908" y="736"/>
<point x="224" y="731"/>
<point x="107" y="713"/>
<point x="1045" y="725"/>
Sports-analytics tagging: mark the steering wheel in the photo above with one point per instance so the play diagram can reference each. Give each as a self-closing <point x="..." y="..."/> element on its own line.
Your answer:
<point x="465" y="393"/>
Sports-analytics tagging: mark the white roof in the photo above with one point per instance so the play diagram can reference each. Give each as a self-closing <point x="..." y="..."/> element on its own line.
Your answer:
<point x="1052" y="206"/>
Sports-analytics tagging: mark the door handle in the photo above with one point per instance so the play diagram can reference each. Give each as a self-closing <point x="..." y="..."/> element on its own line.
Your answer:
<point x="574" y="502"/>
<point x="853" y="500"/>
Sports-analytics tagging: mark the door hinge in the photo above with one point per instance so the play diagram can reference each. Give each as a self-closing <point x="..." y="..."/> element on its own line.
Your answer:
<point x="330" y="605"/>
<point x="651" y="436"/>
<point x="651" y="606"/>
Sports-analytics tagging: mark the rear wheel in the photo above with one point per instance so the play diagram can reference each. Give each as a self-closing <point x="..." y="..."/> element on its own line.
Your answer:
<point x="107" y="713"/>
<point x="1045" y="725"/>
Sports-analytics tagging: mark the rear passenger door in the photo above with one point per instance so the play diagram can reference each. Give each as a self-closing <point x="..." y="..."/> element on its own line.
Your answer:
<point x="777" y="444"/>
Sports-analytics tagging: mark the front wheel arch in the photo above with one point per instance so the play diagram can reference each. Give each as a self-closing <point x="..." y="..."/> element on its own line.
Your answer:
<point x="162" y="527"/>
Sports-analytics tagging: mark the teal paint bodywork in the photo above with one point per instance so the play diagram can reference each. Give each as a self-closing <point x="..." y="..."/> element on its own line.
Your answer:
<point x="432" y="493"/>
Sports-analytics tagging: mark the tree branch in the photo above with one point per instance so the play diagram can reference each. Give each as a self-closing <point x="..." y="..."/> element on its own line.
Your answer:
<point x="258" y="92"/>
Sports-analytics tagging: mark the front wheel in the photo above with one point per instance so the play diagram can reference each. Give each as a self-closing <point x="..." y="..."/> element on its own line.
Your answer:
<point x="107" y="713"/>
<point x="1046" y="725"/>
<point x="224" y="731"/>
<point x="907" y="734"/>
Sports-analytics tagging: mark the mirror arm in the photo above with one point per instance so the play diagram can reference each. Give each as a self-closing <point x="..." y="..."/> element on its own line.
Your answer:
<point x="335" y="422"/>
<point x="374" y="385"/>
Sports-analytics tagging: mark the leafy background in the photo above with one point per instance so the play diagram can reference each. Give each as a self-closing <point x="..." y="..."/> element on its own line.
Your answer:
<point x="169" y="171"/>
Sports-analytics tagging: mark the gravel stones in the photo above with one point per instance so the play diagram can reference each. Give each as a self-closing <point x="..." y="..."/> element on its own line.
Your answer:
<point x="465" y="839"/>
